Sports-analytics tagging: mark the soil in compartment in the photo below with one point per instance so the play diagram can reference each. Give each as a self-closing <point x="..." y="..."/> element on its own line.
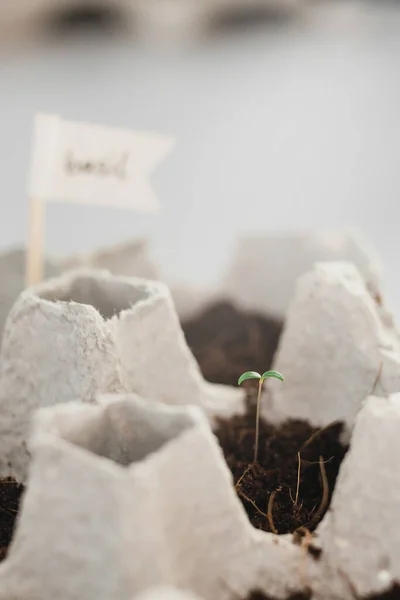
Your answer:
<point x="275" y="493"/>
<point x="227" y="341"/>
<point x="256" y="595"/>
<point x="289" y="488"/>
<point x="391" y="594"/>
<point x="83" y="17"/>
<point x="10" y="496"/>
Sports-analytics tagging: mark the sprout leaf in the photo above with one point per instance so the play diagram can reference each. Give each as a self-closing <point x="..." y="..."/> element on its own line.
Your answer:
<point x="249" y="375"/>
<point x="274" y="374"/>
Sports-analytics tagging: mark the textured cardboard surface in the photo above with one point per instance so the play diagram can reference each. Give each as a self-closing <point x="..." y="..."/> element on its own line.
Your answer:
<point x="360" y="534"/>
<point x="265" y="267"/>
<point x="88" y="332"/>
<point x="335" y="349"/>
<point x="131" y="259"/>
<point x="130" y="494"/>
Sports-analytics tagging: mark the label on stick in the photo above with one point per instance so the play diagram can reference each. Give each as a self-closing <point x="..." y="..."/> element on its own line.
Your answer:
<point x="96" y="164"/>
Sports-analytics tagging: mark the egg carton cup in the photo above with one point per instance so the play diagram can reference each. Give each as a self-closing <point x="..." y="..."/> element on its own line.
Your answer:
<point x="132" y="258"/>
<point x="129" y="497"/>
<point x="88" y="332"/>
<point x="130" y="494"/>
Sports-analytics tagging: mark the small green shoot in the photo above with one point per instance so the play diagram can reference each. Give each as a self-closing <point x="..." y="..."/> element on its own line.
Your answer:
<point x="255" y="375"/>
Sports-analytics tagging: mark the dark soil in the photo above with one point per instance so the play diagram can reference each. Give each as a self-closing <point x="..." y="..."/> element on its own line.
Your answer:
<point x="269" y="487"/>
<point x="10" y="496"/>
<point x="261" y="596"/>
<point x="226" y="342"/>
<point x="83" y="18"/>
<point x="392" y="594"/>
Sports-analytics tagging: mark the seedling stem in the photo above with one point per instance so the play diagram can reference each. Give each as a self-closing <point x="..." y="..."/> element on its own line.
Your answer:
<point x="255" y="375"/>
<point x="258" y="420"/>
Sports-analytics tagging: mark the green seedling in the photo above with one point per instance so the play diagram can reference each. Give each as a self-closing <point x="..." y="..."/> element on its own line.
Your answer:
<point x="254" y="375"/>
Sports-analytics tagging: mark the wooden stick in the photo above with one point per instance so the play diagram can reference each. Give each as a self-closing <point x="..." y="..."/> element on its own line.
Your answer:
<point x="251" y="502"/>
<point x="237" y="484"/>
<point x="298" y="478"/>
<point x="316" y="434"/>
<point x="269" y="513"/>
<point x="34" y="254"/>
<point x="325" y="494"/>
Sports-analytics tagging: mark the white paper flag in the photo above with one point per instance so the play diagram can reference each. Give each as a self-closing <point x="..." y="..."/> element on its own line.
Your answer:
<point x="81" y="162"/>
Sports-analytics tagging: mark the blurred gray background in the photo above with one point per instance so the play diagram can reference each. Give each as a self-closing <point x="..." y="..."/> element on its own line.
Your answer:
<point x="282" y="123"/>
